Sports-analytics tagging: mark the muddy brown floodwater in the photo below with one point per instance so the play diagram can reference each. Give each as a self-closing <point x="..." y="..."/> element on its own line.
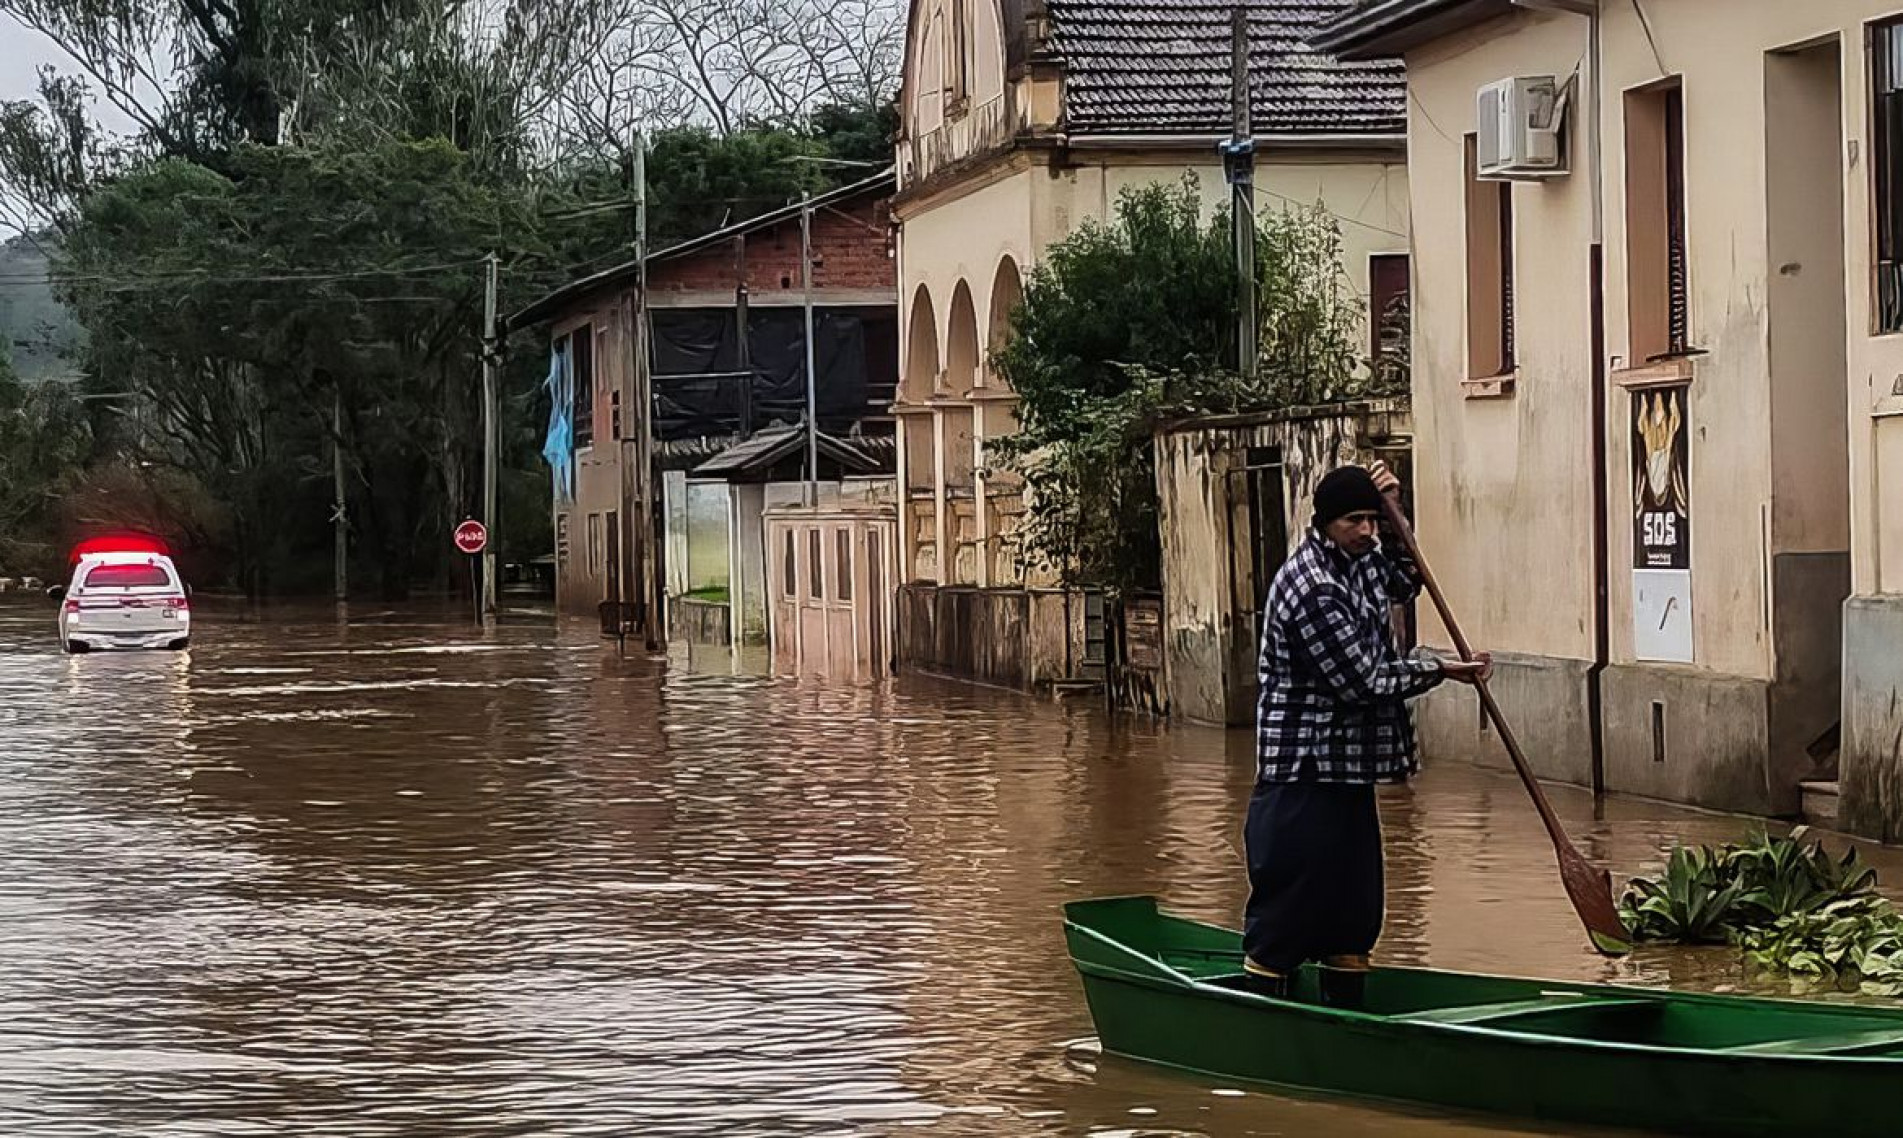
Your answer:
<point x="408" y="878"/>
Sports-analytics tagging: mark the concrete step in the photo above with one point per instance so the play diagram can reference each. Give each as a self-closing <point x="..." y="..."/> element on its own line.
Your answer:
<point x="1820" y="803"/>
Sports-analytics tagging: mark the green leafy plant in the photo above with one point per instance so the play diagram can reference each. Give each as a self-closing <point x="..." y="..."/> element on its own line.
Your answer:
<point x="1785" y="877"/>
<point x="1707" y="894"/>
<point x="1788" y="905"/>
<point x="1697" y="900"/>
<point x="1132" y="323"/>
<point x="1852" y="942"/>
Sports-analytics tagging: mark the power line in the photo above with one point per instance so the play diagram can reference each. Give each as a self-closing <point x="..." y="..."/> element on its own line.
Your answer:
<point x="1331" y="213"/>
<point x="188" y="276"/>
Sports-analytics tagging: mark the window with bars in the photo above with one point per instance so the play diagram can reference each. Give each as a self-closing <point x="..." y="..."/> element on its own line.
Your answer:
<point x="1490" y="347"/>
<point x="1657" y="260"/>
<point x="1886" y="169"/>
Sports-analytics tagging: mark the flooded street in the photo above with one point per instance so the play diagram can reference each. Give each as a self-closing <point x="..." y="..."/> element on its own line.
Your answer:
<point x="409" y="878"/>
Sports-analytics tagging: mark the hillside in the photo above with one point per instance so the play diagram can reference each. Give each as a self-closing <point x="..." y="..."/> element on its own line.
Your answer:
<point x="36" y="329"/>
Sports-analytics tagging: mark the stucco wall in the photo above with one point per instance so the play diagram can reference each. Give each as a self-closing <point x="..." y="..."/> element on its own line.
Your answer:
<point x="1369" y="197"/>
<point x="1784" y="508"/>
<point x="1873" y="718"/>
<point x="1208" y="641"/>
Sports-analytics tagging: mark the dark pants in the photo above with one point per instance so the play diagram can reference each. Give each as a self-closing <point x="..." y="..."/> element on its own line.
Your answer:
<point x="1315" y="887"/>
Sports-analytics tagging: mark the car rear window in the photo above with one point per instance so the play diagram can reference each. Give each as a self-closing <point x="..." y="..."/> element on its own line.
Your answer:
<point x="128" y="577"/>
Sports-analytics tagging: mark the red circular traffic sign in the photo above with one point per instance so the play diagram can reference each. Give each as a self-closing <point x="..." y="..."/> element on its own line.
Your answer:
<point x="472" y="537"/>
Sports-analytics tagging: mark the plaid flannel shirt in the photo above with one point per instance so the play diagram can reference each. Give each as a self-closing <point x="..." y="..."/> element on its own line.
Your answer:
<point x="1332" y="706"/>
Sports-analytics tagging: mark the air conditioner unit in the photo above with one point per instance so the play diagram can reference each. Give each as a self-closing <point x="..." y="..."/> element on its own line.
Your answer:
<point x="1518" y="122"/>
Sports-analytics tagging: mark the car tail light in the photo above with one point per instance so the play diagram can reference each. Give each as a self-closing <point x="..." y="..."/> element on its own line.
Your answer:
<point x="179" y="603"/>
<point x="72" y="605"/>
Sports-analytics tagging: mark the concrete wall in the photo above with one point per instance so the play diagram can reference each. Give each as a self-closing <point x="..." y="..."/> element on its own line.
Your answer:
<point x="1789" y="406"/>
<point x="1872" y="776"/>
<point x="699" y="622"/>
<point x="1209" y="634"/>
<point x="1018" y="638"/>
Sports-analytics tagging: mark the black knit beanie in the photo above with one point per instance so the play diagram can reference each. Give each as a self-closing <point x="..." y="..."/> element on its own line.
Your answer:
<point x="1344" y="491"/>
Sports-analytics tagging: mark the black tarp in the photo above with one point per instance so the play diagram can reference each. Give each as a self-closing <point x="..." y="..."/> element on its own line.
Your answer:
<point x="696" y="356"/>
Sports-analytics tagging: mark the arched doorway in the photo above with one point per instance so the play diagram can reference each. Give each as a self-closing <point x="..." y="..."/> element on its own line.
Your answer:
<point x="995" y="415"/>
<point x="921" y="350"/>
<point x="1007" y="292"/>
<point x="961" y="376"/>
<point x="961" y="359"/>
<point x="918" y="515"/>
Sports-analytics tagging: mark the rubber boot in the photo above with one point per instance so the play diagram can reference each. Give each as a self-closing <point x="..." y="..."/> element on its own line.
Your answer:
<point x="1344" y="982"/>
<point x="1263" y="982"/>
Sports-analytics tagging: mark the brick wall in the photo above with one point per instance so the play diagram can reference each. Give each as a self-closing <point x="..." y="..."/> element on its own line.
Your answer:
<point x="846" y="254"/>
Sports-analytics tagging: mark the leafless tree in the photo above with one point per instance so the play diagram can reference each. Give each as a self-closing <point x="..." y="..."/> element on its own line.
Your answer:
<point x="727" y="64"/>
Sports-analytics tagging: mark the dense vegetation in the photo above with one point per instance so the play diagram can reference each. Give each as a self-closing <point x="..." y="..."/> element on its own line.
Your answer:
<point x="284" y="260"/>
<point x="1127" y="325"/>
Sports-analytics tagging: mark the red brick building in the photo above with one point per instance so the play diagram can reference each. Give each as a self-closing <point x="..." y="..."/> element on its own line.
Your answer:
<point x="726" y="352"/>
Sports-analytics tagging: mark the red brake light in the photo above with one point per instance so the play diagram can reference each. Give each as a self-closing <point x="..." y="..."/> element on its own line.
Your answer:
<point x="119" y="543"/>
<point x="72" y="605"/>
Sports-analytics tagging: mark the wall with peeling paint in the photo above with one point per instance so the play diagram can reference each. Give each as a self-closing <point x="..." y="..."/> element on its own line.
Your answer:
<point x="1210" y="596"/>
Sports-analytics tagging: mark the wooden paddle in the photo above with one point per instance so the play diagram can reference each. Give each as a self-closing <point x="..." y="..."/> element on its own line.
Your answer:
<point x="1588" y="886"/>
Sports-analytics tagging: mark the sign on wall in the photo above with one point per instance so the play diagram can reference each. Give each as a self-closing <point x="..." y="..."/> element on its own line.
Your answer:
<point x="1661" y="513"/>
<point x="1661" y="526"/>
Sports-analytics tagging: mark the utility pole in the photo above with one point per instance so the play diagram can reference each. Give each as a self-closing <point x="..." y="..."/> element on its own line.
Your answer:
<point x="1239" y="167"/>
<point x="812" y="399"/>
<point x="339" y="519"/>
<point x="645" y="574"/>
<point x="744" y="365"/>
<point x="491" y="432"/>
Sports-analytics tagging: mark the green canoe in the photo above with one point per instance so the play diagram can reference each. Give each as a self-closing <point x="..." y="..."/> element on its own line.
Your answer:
<point x="1164" y="990"/>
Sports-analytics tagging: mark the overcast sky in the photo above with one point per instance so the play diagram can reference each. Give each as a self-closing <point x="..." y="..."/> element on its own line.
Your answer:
<point x="22" y="53"/>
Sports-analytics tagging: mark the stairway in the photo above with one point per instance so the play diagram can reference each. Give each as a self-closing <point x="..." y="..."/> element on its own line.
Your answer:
<point x="1820" y="803"/>
<point x="1820" y="793"/>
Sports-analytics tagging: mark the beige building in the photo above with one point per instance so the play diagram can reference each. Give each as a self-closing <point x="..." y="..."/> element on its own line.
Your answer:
<point x="1023" y="119"/>
<point x="1658" y="330"/>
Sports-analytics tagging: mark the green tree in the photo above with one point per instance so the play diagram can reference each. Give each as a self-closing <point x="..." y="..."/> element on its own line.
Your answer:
<point x="43" y="439"/>
<point x="1129" y="324"/>
<point x="296" y="226"/>
<point x="343" y="276"/>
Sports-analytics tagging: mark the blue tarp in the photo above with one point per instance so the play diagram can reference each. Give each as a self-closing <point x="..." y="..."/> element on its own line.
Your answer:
<point x="559" y="449"/>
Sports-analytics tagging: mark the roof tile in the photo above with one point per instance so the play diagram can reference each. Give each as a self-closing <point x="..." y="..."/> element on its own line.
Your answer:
<point x="1162" y="67"/>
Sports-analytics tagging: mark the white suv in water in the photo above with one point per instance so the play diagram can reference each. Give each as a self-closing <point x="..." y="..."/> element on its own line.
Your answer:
<point x="124" y="600"/>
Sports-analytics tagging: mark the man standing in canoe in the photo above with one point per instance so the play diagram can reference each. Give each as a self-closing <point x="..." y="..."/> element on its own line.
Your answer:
<point x="1331" y="722"/>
